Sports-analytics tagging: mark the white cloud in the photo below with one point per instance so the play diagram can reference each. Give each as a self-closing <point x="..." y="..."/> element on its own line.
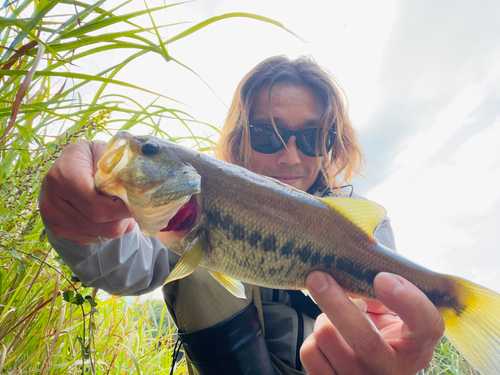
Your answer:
<point x="447" y="122"/>
<point x="478" y="171"/>
<point x="428" y="202"/>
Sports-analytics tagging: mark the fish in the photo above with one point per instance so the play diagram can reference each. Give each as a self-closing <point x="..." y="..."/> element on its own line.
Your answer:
<point x="244" y="227"/>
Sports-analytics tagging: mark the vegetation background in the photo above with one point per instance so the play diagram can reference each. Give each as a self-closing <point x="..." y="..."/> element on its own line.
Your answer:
<point x="49" y="322"/>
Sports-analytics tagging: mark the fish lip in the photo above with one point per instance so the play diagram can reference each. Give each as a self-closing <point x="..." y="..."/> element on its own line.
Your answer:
<point x="108" y="169"/>
<point x="190" y="219"/>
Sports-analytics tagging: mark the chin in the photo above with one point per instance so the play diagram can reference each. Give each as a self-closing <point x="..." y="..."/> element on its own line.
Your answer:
<point x="297" y="184"/>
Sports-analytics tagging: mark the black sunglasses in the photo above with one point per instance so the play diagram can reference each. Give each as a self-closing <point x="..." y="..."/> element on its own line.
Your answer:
<point x="265" y="140"/>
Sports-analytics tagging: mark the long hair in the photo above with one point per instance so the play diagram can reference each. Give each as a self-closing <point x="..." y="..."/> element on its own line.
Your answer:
<point x="345" y="160"/>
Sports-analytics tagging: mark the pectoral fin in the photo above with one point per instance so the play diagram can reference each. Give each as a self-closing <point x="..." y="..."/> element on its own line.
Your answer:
<point x="189" y="260"/>
<point x="235" y="287"/>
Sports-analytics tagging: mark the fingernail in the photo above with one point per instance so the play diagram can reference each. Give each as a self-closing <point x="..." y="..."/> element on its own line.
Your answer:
<point x="317" y="281"/>
<point x="388" y="283"/>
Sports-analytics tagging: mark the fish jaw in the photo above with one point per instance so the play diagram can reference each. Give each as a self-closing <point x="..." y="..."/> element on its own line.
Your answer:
<point x="116" y="156"/>
<point x="153" y="185"/>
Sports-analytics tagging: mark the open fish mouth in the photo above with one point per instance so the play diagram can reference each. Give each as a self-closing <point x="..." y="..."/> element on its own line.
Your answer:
<point x="186" y="217"/>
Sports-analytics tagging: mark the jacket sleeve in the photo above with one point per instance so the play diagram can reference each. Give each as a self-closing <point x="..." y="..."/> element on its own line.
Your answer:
<point x="385" y="235"/>
<point x="130" y="265"/>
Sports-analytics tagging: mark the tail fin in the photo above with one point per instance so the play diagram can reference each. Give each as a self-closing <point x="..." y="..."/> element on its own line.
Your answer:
<point x="476" y="332"/>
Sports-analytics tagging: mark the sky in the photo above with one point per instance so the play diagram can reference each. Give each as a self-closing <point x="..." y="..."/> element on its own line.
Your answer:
<point x="423" y="83"/>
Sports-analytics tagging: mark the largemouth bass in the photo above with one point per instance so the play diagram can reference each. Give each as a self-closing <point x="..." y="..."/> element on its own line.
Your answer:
<point x="245" y="227"/>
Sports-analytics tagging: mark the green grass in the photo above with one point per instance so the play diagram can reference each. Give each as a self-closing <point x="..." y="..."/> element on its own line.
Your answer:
<point x="447" y="361"/>
<point x="49" y="323"/>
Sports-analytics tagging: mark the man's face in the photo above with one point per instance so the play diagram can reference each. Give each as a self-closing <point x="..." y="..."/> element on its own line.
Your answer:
<point x="294" y="108"/>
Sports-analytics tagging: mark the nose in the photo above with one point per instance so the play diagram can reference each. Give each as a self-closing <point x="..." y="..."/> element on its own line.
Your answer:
<point x="290" y="154"/>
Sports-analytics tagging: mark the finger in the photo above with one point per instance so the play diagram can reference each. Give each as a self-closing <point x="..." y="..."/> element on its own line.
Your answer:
<point x="106" y="231"/>
<point x="104" y="208"/>
<point x="72" y="206"/>
<point x="130" y="226"/>
<point x="380" y="315"/>
<point x="82" y="231"/>
<point x="376" y="307"/>
<point x="67" y="222"/>
<point x="334" y="347"/>
<point x="423" y="324"/>
<point x="313" y="359"/>
<point x="385" y="323"/>
<point x="99" y="208"/>
<point x="71" y="178"/>
<point x="358" y="331"/>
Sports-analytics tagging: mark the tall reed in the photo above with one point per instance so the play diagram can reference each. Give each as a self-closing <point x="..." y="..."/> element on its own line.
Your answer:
<point x="49" y="322"/>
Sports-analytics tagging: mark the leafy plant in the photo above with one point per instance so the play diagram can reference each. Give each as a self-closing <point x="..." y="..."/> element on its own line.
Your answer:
<point x="448" y="361"/>
<point x="49" y="322"/>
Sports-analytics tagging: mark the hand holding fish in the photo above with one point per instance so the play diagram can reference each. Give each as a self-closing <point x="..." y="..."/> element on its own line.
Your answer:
<point x="71" y="205"/>
<point x="345" y="341"/>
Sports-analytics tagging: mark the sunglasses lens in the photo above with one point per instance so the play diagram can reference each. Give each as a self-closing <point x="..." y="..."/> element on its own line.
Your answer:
<point x="307" y="142"/>
<point x="264" y="139"/>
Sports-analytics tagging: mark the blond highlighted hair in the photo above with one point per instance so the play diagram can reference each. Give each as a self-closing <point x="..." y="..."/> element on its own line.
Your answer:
<point x="345" y="160"/>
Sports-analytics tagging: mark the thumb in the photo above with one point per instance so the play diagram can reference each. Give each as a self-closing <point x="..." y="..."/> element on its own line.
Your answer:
<point x="130" y="226"/>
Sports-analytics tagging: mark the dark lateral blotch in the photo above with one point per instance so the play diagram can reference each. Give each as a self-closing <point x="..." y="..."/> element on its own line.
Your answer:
<point x="315" y="259"/>
<point x="269" y="243"/>
<point x="214" y="218"/>
<point x="355" y="270"/>
<point x="227" y="222"/>
<point x="238" y="233"/>
<point x="328" y="260"/>
<point x="305" y="253"/>
<point x="254" y="238"/>
<point x="287" y="249"/>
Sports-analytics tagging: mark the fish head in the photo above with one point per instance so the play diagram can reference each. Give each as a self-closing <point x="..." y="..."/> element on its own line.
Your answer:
<point x="146" y="173"/>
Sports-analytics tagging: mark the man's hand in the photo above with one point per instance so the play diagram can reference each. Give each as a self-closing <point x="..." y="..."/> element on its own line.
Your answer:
<point x="348" y="341"/>
<point x="73" y="208"/>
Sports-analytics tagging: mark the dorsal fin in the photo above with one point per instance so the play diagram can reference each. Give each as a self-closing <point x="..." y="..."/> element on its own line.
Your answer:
<point x="364" y="214"/>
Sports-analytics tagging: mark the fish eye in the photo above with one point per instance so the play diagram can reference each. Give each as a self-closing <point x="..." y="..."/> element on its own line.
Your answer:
<point x="150" y="148"/>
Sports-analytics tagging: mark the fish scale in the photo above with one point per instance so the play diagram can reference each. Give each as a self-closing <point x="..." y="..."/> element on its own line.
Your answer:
<point x="257" y="230"/>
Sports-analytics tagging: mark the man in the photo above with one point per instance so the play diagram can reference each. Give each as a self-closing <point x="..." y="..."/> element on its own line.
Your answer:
<point x="287" y="121"/>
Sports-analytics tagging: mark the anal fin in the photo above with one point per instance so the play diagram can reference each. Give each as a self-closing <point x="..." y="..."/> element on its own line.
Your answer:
<point x="235" y="287"/>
